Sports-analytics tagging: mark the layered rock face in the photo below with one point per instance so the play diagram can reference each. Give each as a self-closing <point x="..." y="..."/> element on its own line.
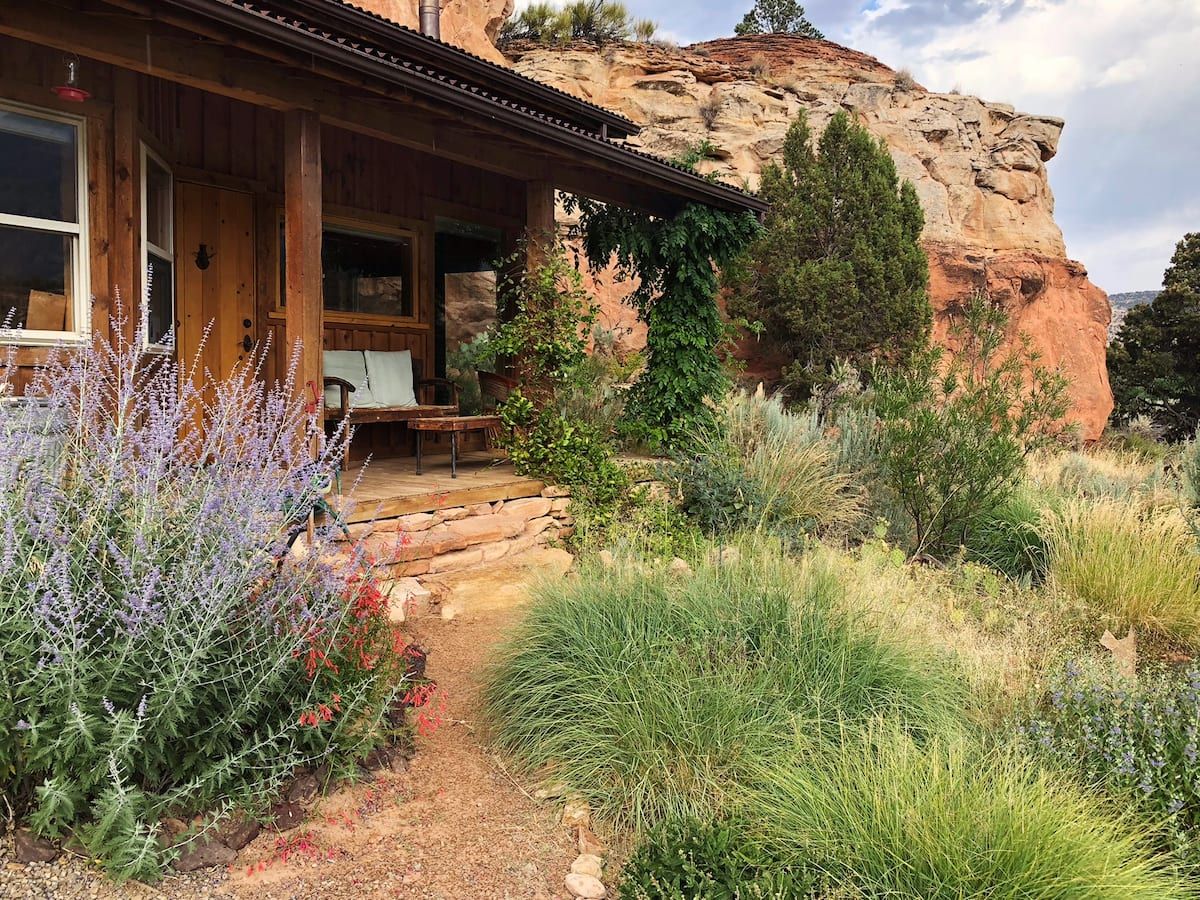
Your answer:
<point x="470" y="24"/>
<point x="978" y="167"/>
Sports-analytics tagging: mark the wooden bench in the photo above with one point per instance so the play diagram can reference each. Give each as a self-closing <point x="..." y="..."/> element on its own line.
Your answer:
<point x="397" y="393"/>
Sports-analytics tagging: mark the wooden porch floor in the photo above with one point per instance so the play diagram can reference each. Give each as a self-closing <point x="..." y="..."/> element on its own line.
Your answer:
<point x="392" y="487"/>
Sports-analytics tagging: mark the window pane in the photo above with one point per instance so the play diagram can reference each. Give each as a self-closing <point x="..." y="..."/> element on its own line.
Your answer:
<point x="37" y="167"/>
<point x="367" y="273"/>
<point x="35" y="280"/>
<point x="159" y="214"/>
<point x="160" y="306"/>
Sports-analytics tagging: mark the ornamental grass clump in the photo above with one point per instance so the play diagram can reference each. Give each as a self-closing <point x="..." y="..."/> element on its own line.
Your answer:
<point x="652" y="694"/>
<point x="164" y="652"/>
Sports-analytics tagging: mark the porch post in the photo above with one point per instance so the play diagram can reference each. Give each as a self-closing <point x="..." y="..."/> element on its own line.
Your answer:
<point x="304" y="313"/>
<point x="539" y="220"/>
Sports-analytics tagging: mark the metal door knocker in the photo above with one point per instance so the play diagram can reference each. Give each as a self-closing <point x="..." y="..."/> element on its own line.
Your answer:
<point x="203" y="257"/>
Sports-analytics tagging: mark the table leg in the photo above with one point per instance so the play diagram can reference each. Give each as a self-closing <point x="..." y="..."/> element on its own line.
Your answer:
<point x="420" y="444"/>
<point x="454" y="454"/>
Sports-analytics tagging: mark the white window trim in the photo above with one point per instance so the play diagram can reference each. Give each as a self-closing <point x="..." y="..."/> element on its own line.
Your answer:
<point x="81" y="251"/>
<point x="167" y="253"/>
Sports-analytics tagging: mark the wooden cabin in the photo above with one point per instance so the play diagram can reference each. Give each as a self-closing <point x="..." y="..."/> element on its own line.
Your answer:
<point x="302" y="170"/>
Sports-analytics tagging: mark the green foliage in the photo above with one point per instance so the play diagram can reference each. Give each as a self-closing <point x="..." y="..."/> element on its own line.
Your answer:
<point x="672" y="260"/>
<point x="777" y="17"/>
<point x="956" y="434"/>
<point x="1011" y="536"/>
<point x="653" y="694"/>
<point x="1138" y="739"/>
<point x="694" y="860"/>
<point x="881" y="816"/>
<point x="754" y="465"/>
<point x="595" y="21"/>
<point x="838" y="272"/>
<point x="1154" y="361"/>
<point x="1136" y="568"/>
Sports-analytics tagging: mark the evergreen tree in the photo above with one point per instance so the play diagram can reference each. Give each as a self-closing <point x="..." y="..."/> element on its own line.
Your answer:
<point x="1154" y="361"/>
<point x="778" y="17"/>
<point x="838" y="272"/>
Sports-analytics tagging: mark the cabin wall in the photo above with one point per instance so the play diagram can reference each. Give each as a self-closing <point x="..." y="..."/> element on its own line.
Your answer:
<point x="214" y="140"/>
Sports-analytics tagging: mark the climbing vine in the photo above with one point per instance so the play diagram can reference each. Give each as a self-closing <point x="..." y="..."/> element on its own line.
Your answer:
<point x="674" y="261"/>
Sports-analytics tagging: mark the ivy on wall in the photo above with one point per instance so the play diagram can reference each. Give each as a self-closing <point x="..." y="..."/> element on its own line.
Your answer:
<point x="675" y="262"/>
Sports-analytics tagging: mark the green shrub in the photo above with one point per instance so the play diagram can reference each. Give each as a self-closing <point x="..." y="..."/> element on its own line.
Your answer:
<point x="693" y="860"/>
<point x="1137" y="569"/>
<point x="758" y="466"/>
<point x="882" y="817"/>
<point x="652" y="693"/>
<point x="955" y="435"/>
<point x="1140" y="740"/>
<point x="1012" y="537"/>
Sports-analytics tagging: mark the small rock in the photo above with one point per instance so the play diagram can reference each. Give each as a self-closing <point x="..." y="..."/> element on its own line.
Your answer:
<point x="449" y="612"/>
<point x="33" y="849"/>
<point x="588" y="864"/>
<point x="589" y="844"/>
<point x="586" y="887"/>
<point x="679" y="567"/>
<point x="379" y="758"/>
<point x="576" y="812"/>
<point x="287" y="816"/>
<point x="607" y="559"/>
<point x="551" y="791"/>
<point x="237" y="832"/>
<point x="202" y="852"/>
<point x="304" y="789"/>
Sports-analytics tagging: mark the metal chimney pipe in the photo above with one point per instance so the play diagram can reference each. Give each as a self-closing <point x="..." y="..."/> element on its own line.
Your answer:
<point x="431" y="18"/>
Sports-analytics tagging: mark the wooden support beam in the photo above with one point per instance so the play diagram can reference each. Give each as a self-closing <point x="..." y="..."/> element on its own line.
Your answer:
<point x="540" y="229"/>
<point x="126" y="251"/>
<point x="304" y="310"/>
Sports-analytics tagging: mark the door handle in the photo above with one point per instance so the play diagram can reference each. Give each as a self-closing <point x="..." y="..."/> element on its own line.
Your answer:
<point x="247" y="343"/>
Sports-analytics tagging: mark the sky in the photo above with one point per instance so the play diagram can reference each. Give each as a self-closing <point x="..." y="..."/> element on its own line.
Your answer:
<point x="1125" y="74"/>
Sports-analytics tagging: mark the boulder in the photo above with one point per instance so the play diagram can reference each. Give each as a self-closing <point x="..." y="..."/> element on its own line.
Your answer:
<point x="586" y="887"/>
<point x="203" y="851"/>
<point x="29" y="848"/>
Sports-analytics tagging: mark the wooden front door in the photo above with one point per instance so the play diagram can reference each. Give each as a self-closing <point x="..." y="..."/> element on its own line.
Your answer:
<point x="214" y="258"/>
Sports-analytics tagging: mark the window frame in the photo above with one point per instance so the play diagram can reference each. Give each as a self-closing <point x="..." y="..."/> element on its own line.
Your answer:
<point x="366" y="225"/>
<point x="81" y="297"/>
<point x="144" y="156"/>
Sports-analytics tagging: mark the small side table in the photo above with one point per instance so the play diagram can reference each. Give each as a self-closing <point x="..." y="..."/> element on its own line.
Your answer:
<point x="454" y="426"/>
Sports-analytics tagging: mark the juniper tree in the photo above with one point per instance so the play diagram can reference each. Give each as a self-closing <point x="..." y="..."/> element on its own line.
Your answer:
<point x="838" y="272"/>
<point x="1154" y="362"/>
<point x="778" y="17"/>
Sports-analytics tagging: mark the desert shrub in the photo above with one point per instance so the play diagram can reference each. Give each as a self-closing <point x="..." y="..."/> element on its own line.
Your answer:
<point x="1108" y="475"/>
<point x="756" y="465"/>
<point x="598" y="21"/>
<point x="759" y="65"/>
<point x="710" y="109"/>
<point x="1011" y="537"/>
<point x="1134" y="568"/>
<point x="164" y="652"/>
<point x="905" y="81"/>
<point x="955" y="434"/>
<point x="1139" y="740"/>
<point x="651" y="693"/>
<point x="542" y="23"/>
<point x="1189" y="476"/>
<point x="883" y="817"/>
<point x="645" y="29"/>
<point x="694" y="860"/>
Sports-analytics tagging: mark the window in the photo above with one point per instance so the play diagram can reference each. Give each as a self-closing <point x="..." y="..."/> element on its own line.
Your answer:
<point x="43" y="215"/>
<point x="158" y="251"/>
<point x="365" y="272"/>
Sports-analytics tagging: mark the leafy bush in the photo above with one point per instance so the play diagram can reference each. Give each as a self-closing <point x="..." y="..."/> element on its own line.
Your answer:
<point x="1140" y="740"/>
<point x="755" y="465"/>
<point x="955" y="435"/>
<point x="882" y="817"/>
<point x="164" y="652"/>
<point x="1012" y="537"/>
<point x="652" y="694"/>
<point x="1138" y="569"/>
<point x="693" y="860"/>
<point x="837" y="272"/>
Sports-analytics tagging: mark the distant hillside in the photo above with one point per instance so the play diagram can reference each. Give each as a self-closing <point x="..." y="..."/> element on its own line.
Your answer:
<point x="1123" y="303"/>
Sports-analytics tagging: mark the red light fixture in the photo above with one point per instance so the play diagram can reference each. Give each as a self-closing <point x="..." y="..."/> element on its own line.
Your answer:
<point x="71" y="90"/>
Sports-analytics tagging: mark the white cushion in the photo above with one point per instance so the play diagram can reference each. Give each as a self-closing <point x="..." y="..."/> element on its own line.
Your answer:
<point x="350" y="366"/>
<point x="390" y="374"/>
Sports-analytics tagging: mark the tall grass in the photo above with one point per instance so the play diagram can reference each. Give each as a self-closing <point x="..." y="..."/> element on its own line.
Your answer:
<point x="653" y="695"/>
<point x="883" y="817"/>
<point x="1136" y="568"/>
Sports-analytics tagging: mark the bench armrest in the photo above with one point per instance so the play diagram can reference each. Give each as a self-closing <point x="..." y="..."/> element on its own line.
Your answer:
<point x="345" y="389"/>
<point x="423" y="383"/>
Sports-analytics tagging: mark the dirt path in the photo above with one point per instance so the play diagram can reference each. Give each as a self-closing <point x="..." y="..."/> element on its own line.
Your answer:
<point x="455" y="826"/>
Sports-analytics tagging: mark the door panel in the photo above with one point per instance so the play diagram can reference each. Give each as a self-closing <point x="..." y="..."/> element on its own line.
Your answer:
<point x="222" y="292"/>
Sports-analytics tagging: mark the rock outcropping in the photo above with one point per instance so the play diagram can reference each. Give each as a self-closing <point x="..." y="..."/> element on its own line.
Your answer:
<point x="470" y="24"/>
<point x="978" y="167"/>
